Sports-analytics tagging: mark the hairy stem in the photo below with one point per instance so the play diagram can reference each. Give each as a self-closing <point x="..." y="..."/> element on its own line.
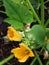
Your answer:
<point x="42" y="12"/>
<point x="38" y="58"/>
<point x="6" y="59"/>
<point x="33" y="11"/>
<point x="32" y="63"/>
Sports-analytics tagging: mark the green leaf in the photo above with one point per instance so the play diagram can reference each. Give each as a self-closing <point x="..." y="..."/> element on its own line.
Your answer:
<point x="10" y="10"/>
<point x="47" y="32"/>
<point x="17" y="1"/>
<point x="38" y="33"/>
<point x="15" y="24"/>
<point x="47" y="46"/>
<point x="18" y="12"/>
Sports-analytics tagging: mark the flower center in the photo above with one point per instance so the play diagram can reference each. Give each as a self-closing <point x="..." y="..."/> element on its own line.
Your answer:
<point x="27" y="52"/>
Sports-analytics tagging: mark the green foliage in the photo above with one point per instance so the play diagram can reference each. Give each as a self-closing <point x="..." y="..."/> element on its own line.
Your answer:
<point x="47" y="32"/>
<point x="1" y="3"/>
<point x="47" y="22"/>
<point x="47" y="46"/>
<point x="38" y="32"/>
<point x="16" y="24"/>
<point x="18" y="12"/>
<point x="17" y="1"/>
<point x="35" y="4"/>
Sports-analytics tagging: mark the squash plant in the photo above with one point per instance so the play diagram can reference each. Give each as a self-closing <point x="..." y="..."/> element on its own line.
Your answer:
<point x="21" y="13"/>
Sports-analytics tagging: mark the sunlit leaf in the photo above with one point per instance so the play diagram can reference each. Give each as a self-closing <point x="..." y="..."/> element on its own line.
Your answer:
<point x="18" y="12"/>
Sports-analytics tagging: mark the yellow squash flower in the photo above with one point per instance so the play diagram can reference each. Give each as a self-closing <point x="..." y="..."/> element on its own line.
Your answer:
<point x="13" y="35"/>
<point x="22" y="53"/>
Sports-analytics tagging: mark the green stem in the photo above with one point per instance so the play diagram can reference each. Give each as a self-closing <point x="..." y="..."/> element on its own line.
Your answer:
<point x="38" y="58"/>
<point x="42" y="49"/>
<point x="32" y="63"/>
<point x="42" y="12"/>
<point x="2" y="12"/>
<point x="47" y="63"/>
<point x="6" y="59"/>
<point x="47" y="22"/>
<point x="33" y="11"/>
<point x="46" y="1"/>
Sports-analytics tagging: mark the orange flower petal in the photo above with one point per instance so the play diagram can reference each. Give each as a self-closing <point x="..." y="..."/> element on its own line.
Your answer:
<point x="24" y="59"/>
<point x="22" y="53"/>
<point x="13" y="35"/>
<point x="22" y="45"/>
